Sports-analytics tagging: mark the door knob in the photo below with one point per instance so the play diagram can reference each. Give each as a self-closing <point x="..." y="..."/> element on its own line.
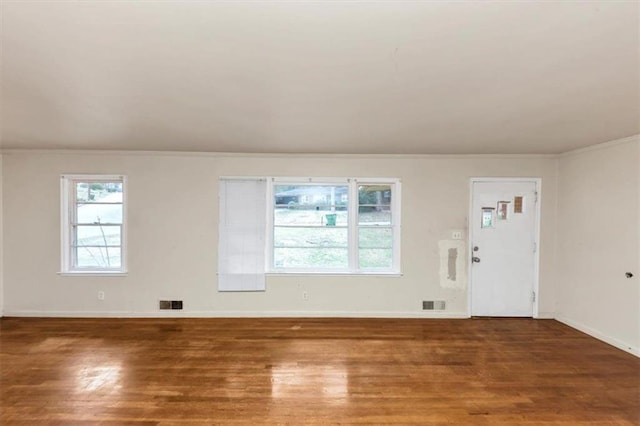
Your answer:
<point x="476" y="248"/>
<point x="475" y="259"/>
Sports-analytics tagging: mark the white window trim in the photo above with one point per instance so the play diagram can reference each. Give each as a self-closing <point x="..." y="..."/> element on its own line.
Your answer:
<point x="353" y="268"/>
<point x="66" y="214"/>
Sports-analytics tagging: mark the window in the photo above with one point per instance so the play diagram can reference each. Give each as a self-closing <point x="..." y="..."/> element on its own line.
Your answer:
<point x="310" y="227"/>
<point x="375" y="227"/>
<point x="335" y="225"/>
<point x="93" y="224"/>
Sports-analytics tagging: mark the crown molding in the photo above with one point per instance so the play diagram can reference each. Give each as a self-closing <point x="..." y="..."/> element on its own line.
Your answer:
<point x="17" y="151"/>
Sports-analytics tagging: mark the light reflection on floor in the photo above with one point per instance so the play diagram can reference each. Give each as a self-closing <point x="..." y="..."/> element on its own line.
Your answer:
<point x="293" y="380"/>
<point x="105" y="377"/>
<point x="97" y="371"/>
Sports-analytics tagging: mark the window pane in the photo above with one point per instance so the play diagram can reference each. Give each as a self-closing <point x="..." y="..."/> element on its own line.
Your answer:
<point x="370" y="215"/>
<point x="99" y="213"/>
<point x="316" y="258"/>
<point x="376" y="258"/>
<point x="89" y="192"/>
<point x="98" y="257"/>
<point x="98" y="235"/>
<point x="311" y="205"/>
<point x="310" y="237"/>
<point x="375" y="238"/>
<point x="374" y="195"/>
<point x="374" y="204"/>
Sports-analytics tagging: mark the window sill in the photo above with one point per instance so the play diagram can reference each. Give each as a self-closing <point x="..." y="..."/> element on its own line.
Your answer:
<point x="349" y="274"/>
<point x="93" y="274"/>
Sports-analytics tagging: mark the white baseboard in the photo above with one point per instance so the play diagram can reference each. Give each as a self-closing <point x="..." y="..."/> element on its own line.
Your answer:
<point x="546" y="315"/>
<point x="599" y="335"/>
<point x="234" y="314"/>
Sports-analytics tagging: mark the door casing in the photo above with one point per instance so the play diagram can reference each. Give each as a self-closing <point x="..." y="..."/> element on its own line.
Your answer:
<point x="536" y="270"/>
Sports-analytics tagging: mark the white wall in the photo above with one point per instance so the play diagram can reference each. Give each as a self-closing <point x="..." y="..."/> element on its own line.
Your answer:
<point x="1" y="245"/>
<point x="598" y="235"/>
<point x="173" y="215"/>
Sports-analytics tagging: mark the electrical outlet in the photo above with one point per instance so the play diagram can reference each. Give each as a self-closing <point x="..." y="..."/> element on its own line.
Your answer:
<point x="456" y="235"/>
<point x="305" y="295"/>
<point x="101" y="295"/>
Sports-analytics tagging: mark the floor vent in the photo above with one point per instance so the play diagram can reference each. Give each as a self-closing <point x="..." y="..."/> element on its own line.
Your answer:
<point x="433" y="305"/>
<point x="171" y="304"/>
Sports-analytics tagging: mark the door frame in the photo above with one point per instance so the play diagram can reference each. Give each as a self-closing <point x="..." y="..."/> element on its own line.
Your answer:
<point x="536" y="232"/>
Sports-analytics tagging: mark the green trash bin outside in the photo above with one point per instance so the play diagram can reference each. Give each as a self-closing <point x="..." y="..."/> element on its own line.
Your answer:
<point x="331" y="219"/>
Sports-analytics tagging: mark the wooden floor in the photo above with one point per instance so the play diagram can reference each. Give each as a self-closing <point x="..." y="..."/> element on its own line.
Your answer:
<point x="305" y="371"/>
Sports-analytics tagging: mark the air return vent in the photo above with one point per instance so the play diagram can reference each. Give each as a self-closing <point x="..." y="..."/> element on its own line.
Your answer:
<point x="433" y="305"/>
<point x="171" y="304"/>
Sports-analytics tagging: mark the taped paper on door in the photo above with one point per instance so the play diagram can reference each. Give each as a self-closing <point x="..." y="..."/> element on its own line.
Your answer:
<point x="487" y="217"/>
<point x="503" y="210"/>
<point x="518" y="204"/>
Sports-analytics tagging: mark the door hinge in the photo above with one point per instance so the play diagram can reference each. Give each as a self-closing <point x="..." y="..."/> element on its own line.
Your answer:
<point x="533" y="296"/>
<point x="535" y="247"/>
<point x="536" y="196"/>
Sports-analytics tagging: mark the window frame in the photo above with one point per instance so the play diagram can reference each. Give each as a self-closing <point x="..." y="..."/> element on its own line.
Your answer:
<point x="353" y="267"/>
<point x="68" y="217"/>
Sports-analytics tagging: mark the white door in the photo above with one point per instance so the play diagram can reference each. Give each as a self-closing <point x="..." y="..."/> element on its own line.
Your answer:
<point x="503" y="247"/>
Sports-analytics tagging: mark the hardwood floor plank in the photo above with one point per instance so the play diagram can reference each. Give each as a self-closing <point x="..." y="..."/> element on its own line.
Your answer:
<point x="311" y="371"/>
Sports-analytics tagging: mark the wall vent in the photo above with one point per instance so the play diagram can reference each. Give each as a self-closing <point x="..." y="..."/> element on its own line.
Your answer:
<point x="433" y="305"/>
<point x="171" y="304"/>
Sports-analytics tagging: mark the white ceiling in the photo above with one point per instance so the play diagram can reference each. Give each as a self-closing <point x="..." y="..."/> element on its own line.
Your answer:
<point x="319" y="77"/>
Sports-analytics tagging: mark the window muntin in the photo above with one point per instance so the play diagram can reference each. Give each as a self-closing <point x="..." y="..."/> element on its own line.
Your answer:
<point x="93" y="223"/>
<point x="346" y="226"/>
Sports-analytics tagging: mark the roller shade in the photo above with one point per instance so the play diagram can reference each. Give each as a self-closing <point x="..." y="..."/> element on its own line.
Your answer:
<point x="242" y="228"/>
